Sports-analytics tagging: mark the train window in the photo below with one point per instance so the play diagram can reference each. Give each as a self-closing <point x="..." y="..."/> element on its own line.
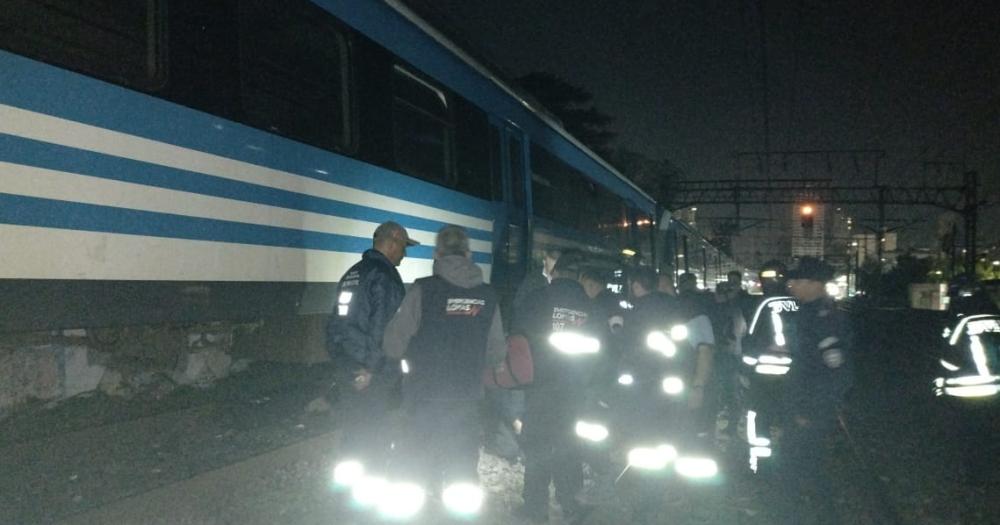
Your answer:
<point x="294" y="72"/>
<point x="553" y="185"/>
<point x="115" y="40"/>
<point x="473" y="171"/>
<point x="422" y="131"/>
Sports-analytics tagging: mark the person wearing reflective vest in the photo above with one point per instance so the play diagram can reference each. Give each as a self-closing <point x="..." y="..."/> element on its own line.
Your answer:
<point x="820" y="375"/>
<point x="367" y="297"/>
<point x="447" y="329"/>
<point x="564" y="347"/>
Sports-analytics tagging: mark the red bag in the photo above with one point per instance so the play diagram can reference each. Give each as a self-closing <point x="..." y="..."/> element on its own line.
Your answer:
<point x="516" y="370"/>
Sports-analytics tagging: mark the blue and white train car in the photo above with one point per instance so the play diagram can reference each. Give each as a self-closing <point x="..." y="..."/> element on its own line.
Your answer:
<point x="182" y="161"/>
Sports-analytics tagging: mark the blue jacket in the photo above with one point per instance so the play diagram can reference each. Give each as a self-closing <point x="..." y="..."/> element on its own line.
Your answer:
<point x="368" y="295"/>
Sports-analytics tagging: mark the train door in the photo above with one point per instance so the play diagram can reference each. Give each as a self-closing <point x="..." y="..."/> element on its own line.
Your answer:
<point x="513" y="249"/>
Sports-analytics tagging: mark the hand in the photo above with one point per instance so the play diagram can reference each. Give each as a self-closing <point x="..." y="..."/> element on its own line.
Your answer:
<point x="696" y="397"/>
<point x="362" y="378"/>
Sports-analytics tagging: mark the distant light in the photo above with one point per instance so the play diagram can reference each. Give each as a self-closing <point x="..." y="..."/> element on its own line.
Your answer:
<point x="628" y="252"/>
<point x="694" y="208"/>
<point x="996" y="263"/>
<point x="807" y="210"/>
<point x="855" y="243"/>
<point x="768" y="274"/>
<point x="626" y="379"/>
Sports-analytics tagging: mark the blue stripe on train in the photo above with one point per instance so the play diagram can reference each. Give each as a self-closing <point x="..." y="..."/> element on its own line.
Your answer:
<point x="62" y="158"/>
<point x="31" y="211"/>
<point x="46" y="89"/>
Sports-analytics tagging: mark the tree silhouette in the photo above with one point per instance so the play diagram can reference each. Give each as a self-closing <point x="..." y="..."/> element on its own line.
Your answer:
<point x="574" y="107"/>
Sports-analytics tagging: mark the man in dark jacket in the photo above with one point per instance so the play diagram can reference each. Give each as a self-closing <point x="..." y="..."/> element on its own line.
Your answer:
<point x="367" y="297"/>
<point x="564" y="350"/>
<point x="448" y="329"/>
<point x="821" y="372"/>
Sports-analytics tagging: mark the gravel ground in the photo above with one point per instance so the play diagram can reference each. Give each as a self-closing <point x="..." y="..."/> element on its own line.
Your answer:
<point x="91" y="452"/>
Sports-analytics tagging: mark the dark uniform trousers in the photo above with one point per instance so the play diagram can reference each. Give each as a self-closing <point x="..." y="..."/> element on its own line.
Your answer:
<point x="806" y="493"/>
<point x="440" y="444"/>
<point x="551" y="449"/>
<point x="365" y="417"/>
<point x="821" y="373"/>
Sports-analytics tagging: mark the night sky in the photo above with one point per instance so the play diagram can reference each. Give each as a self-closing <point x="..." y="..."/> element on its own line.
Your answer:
<point x="683" y="78"/>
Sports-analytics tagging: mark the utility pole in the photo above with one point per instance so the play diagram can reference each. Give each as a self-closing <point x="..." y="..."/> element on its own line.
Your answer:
<point x="765" y="96"/>
<point x="970" y="211"/>
<point x="880" y="242"/>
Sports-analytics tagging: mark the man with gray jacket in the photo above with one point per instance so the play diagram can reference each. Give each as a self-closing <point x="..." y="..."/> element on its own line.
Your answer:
<point x="447" y="330"/>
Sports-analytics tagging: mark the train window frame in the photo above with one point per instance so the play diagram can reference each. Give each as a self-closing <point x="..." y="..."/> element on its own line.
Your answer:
<point x="320" y="23"/>
<point x="446" y="120"/>
<point x="155" y="40"/>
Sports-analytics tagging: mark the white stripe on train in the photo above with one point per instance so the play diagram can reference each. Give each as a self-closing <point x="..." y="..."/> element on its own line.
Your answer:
<point x="47" y="128"/>
<point x="60" y="185"/>
<point x="30" y="252"/>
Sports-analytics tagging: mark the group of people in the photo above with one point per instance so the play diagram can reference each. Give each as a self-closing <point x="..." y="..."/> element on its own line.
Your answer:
<point x="424" y="351"/>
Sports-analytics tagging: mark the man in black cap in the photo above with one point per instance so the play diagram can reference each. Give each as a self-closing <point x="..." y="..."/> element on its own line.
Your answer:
<point x="367" y="297"/>
<point x="819" y="377"/>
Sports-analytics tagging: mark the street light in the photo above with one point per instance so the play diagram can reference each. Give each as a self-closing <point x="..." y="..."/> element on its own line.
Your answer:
<point x="806" y="212"/>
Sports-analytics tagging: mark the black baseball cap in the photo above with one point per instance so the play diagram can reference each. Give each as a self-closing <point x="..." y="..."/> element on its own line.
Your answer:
<point x="812" y="269"/>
